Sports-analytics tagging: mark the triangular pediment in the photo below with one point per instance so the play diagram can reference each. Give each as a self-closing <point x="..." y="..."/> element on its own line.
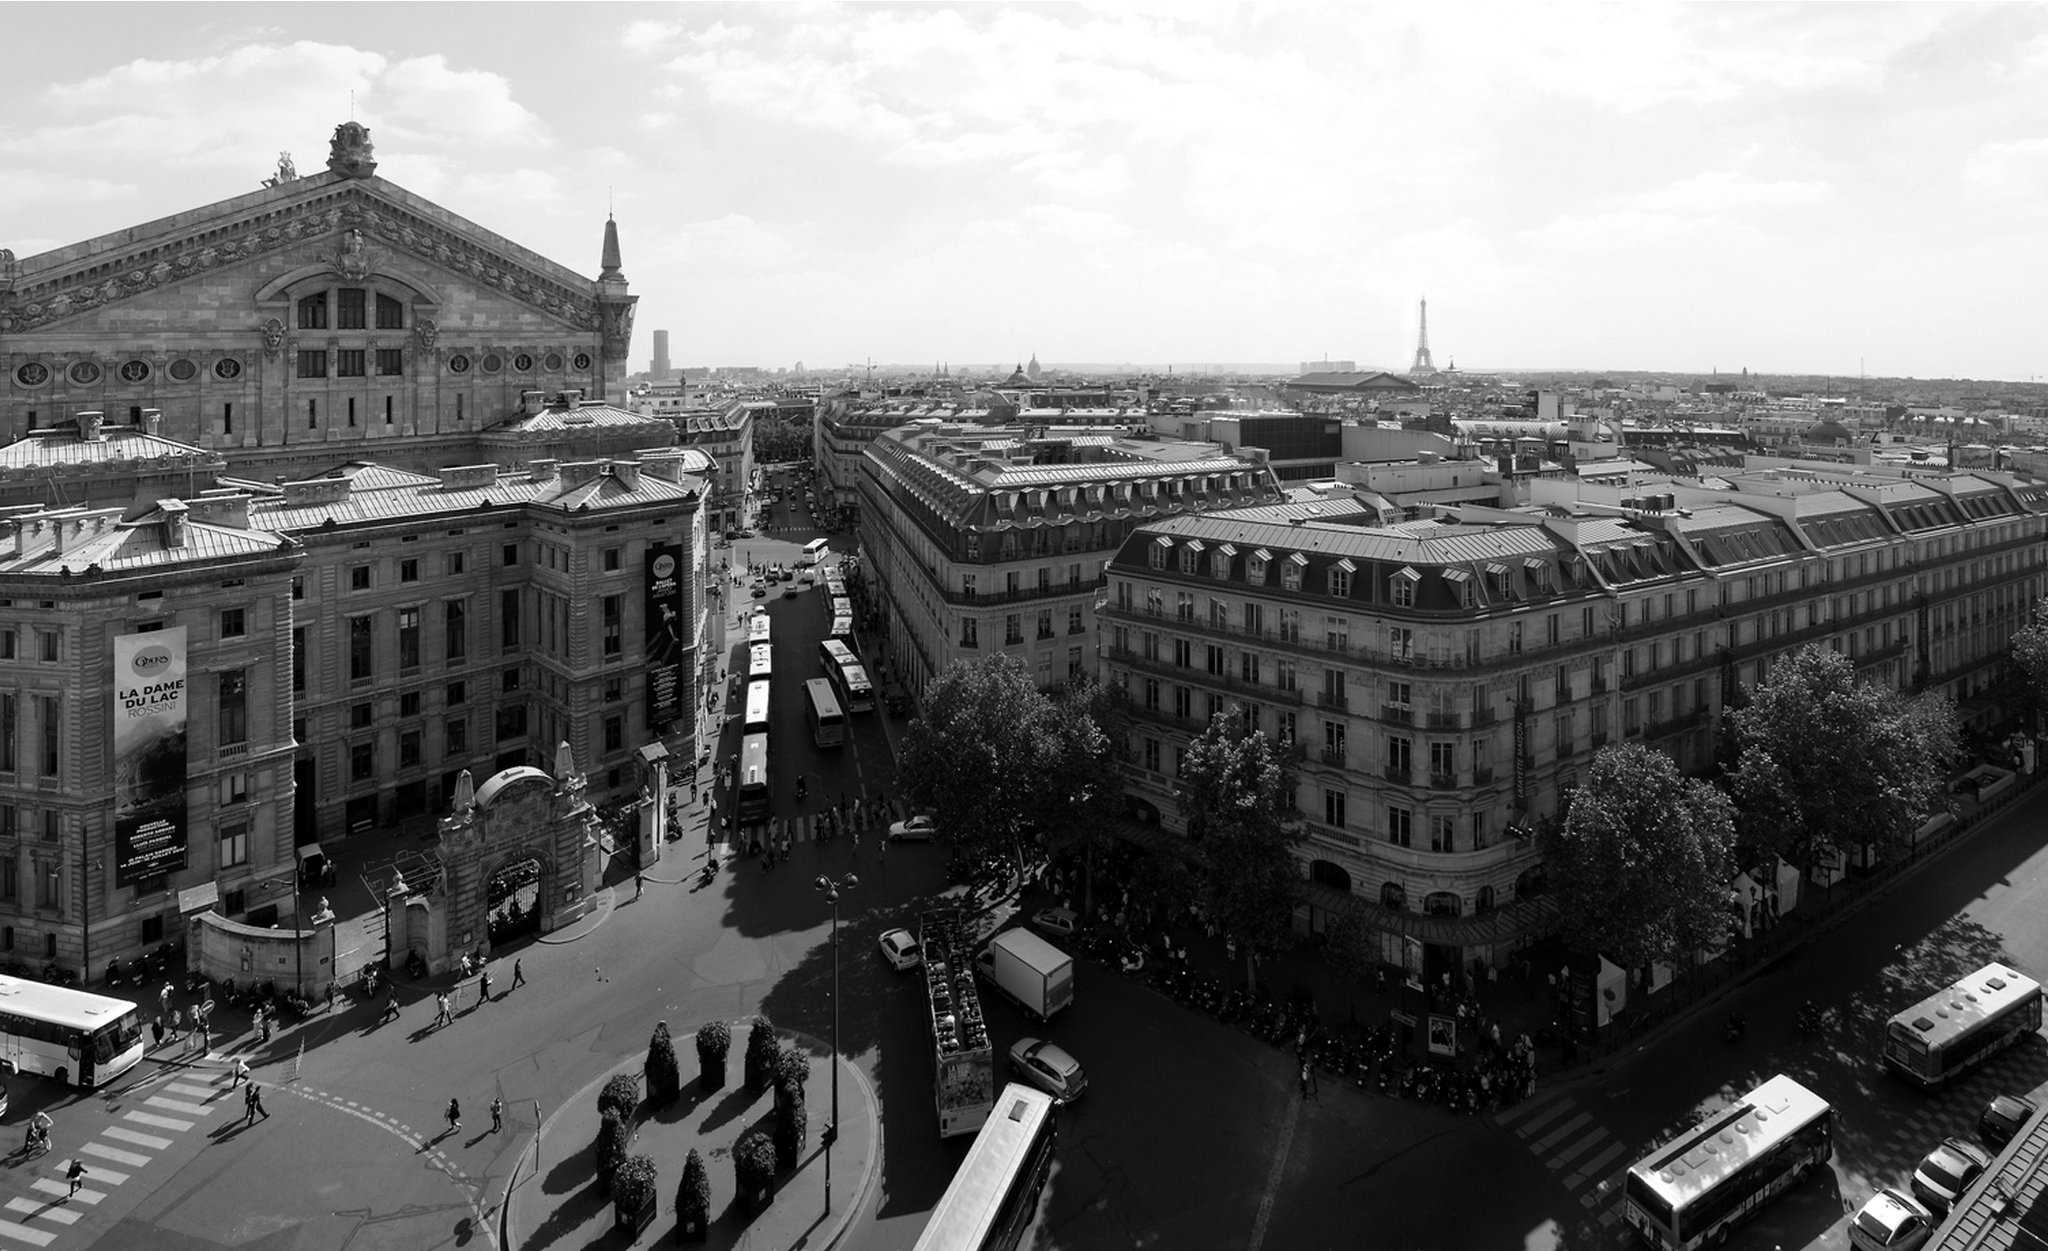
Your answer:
<point x="349" y="225"/>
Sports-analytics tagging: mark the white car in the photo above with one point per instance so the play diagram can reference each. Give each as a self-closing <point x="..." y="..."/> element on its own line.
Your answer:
<point x="917" y="829"/>
<point x="1059" y="921"/>
<point x="899" y="948"/>
<point x="1048" y="1067"/>
<point x="1891" y="1222"/>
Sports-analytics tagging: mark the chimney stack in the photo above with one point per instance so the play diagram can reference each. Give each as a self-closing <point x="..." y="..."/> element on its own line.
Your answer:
<point x="543" y="469"/>
<point x="90" y="423"/>
<point x="532" y="402"/>
<point x="628" y="473"/>
<point x="152" y="420"/>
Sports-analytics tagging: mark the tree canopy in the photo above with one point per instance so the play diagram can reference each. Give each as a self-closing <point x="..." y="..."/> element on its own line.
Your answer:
<point x="981" y="756"/>
<point x="1083" y="797"/>
<point x="1236" y="794"/>
<point x="1825" y="762"/>
<point x="1642" y="860"/>
<point x="2030" y="657"/>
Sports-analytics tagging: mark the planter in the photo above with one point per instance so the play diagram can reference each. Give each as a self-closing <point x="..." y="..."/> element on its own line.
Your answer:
<point x="632" y="1222"/>
<point x="691" y="1229"/>
<point x="757" y="1200"/>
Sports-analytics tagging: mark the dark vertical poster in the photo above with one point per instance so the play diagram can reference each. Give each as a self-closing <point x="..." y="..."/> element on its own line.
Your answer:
<point x="150" y="822"/>
<point x="666" y="637"/>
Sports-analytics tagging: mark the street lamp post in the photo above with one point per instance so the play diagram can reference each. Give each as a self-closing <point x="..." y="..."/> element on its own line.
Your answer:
<point x="831" y="891"/>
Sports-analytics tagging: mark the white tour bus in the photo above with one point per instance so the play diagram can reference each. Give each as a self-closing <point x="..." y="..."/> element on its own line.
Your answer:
<point x="994" y="1194"/>
<point x="75" y="1036"/>
<point x="1691" y="1191"/>
<point x="1964" y="1025"/>
<point x="757" y="708"/>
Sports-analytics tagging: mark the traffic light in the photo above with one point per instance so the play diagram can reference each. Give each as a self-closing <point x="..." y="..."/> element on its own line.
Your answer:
<point x="830" y="1135"/>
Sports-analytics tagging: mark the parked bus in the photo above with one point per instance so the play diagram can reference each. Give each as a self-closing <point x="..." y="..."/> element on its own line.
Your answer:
<point x="760" y="662"/>
<point x="757" y="628"/>
<point x="753" y="779"/>
<point x="836" y="654"/>
<point x="757" y="709"/>
<point x="75" y="1036"/>
<point x="855" y="691"/>
<point x="842" y="631"/>
<point x="828" y="723"/>
<point x="994" y="1194"/>
<point x="1693" y="1190"/>
<point x="1964" y="1025"/>
<point x="841" y="606"/>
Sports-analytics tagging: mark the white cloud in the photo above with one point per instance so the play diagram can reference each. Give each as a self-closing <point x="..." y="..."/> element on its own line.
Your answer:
<point x="2009" y="167"/>
<point x="732" y="244"/>
<point x="426" y="102"/>
<point x="1718" y="190"/>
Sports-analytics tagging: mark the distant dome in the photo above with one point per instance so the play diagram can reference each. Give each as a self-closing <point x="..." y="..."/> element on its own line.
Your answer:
<point x="1829" y="431"/>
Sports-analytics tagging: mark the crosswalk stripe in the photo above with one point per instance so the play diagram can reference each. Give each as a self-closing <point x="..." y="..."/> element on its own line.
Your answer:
<point x="1573" y="1150"/>
<point x="22" y="1233"/>
<point x="152" y="1141"/>
<point x="1562" y="1132"/>
<point x="1591" y="1168"/>
<point x="177" y="1105"/>
<point x="190" y="1091"/>
<point x="160" y="1122"/>
<point x="86" y="1194"/>
<point x="101" y="1173"/>
<point x="1537" y="1112"/>
<point x="48" y="1211"/>
<point x="115" y="1154"/>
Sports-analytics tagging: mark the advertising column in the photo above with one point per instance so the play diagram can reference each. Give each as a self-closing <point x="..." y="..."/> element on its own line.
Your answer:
<point x="150" y="821"/>
<point x="667" y="636"/>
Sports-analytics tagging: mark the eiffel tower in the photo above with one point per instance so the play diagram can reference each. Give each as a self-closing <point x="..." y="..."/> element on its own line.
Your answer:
<point x="1423" y="366"/>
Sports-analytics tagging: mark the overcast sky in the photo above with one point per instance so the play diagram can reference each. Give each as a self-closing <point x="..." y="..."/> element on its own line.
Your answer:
<point x="1633" y="187"/>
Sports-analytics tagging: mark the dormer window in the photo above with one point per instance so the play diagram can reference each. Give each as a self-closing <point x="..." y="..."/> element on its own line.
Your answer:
<point x="1191" y="556"/>
<point x="1539" y="575"/>
<point x="1160" y="546"/>
<point x="1401" y="587"/>
<point x="1460" y="583"/>
<point x="1255" y="566"/>
<point x="1219" y="561"/>
<point x="1497" y="583"/>
<point x="1340" y="578"/>
<point x="1290" y="571"/>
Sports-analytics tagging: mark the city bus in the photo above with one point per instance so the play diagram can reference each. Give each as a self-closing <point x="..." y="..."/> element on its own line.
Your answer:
<point x="77" y="1037"/>
<point x="836" y="654"/>
<point x="753" y="779"/>
<point x="841" y="606"/>
<point x="842" y="631"/>
<point x="855" y="691"/>
<point x="760" y="662"/>
<point x="1964" y="1025"/>
<point x="994" y="1193"/>
<point x="1693" y="1190"/>
<point x="757" y="709"/>
<point x="835" y="586"/>
<point x="828" y="724"/>
<point x="757" y="628"/>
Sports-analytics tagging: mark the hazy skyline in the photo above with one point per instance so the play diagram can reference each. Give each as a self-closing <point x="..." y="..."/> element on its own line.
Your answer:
<point x="1791" y="189"/>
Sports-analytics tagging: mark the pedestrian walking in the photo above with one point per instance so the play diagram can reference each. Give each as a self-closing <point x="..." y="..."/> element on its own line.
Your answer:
<point x="390" y="1007"/>
<point x="177" y="1024"/>
<point x="486" y="996"/>
<point x="467" y="967"/>
<point x="442" y="1015"/>
<point x="241" y="1073"/>
<point x="75" y="1175"/>
<point x="454" y="1117"/>
<point x="262" y="1024"/>
<point x="252" y="1103"/>
<point x="163" y="999"/>
<point x="156" y="1029"/>
<point x="639" y="883"/>
<point x="518" y="974"/>
<point x="1304" y="1079"/>
<point x="497" y="1113"/>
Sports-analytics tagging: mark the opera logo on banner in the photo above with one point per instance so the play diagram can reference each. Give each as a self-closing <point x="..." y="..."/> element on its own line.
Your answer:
<point x="149" y="754"/>
<point x="665" y="634"/>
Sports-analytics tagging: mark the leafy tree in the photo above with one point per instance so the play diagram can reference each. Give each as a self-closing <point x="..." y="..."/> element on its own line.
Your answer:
<point x="1825" y="762"/>
<point x="1236" y="794"/>
<point x="693" y="1195"/>
<point x="1083" y="797"/>
<point x="1352" y="948"/>
<point x="621" y="1094"/>
<point x="2030" y="657"/>
<point x="714" y="1043"/>
<point x="792" y="1071"/>
<point x="633" y="1186"/>
<point x="1642" y="860"/>
<point x="753" y="1166"/>
<point x="664" y="1072"/>
<point x="978" y="758"/>
<point x="763" y="1050"/>
<point x="612" y="1139"/>
<point x="792" y="1123"/>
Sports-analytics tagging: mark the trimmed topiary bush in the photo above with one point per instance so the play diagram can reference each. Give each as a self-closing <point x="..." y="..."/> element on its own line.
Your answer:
<point x="714" y="1042"/>
<point x="753" y="1169"/>
<point x="763" y="1048"/>
<point x="634" y="1185"/>
<point x="612" y="1139"/>
<point x="792" y="1068"/>
<point x="791" y="1121"/>
<point x="693" y="1200"/>
<point x="664" y="1073"/>
<point x="620" y="1094"/>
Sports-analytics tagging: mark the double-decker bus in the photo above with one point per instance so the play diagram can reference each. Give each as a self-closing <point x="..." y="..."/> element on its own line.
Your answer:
<point x="1693" y="1190"/>
<point x="760" y="662"/>
<point x="753" y="779"/>
<point x="994" y="1194"/>
<point x="828" y="723"/>
<point x="757" y="628"/>
<point x="75" y="1036"/>
<point x="1964" y="1025"/>
<point x="757" y="708"/>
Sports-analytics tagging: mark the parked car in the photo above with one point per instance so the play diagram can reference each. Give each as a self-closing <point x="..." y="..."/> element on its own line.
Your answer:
<point x="789" y="592"/>
<point x="1947" y="1172"/>
<point x="1059" y="921"/>
<point x="1891" y="1221"/>
<point x="1048" y="1067"/>
<point x="760" y="589"/>
<point x="2003" y="1120"/>
<point x="917" y="829"/>
<point x="899" y="948"/>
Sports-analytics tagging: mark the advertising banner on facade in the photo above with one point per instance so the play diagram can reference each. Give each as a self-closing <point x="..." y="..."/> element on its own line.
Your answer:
<point x="150" y="822"/>
<point x="667" y="635"/>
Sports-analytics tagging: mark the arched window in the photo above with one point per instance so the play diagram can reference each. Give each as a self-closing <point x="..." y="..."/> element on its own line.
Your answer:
<point x="1394" y="897"/>
<point x="313" y="312"/>
<point x="1484" y="903"/>
<point x="390" y="314"/>
<point x="1442" y="903"/>
<point x="1327" y="873"/>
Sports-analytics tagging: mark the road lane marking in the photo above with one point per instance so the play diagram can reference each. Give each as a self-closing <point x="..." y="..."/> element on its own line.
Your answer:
<point x="160" y="1122"/>
<point x="129" y="1158"/>
<point x="205" y="1093"/>
<point x="177" y="1105"/>
<point x="33" y="1237"/>
<point x="1591" y="1168"/>
<point x="47" y="1211"/>
<point x="1573" y="1150"/>
<point x="152" y="1141"/>
<point x="1273" y="1175"/>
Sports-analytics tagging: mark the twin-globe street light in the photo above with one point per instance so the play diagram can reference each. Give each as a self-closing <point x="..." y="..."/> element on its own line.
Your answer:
<point x="831" y="889"/>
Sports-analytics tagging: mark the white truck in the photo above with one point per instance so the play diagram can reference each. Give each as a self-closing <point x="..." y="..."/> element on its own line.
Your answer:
<point x="1030" y="970"/>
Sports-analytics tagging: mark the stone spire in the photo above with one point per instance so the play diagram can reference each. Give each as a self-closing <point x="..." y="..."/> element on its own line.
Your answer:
<point x="608" y="266"/>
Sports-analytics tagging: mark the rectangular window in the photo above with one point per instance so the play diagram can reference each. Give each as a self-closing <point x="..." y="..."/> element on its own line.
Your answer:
<point x="509" y="680"/>
<point x="233" y="846"/>
<point x="508" y="619"/>
<point x="348" y="363"/>
<point x="1442" y="827"/>
<point x="614" y="734"/>
<point x="390" y="362"/>
<point x="457" y="694"/>
<point x="611" y="559"/>
<point x="312" y="364"/>
<point x="359" y="578"/>
<point x="390" y="313"/>
<point x="511" y="722"/>
<point x="52" y="713"/>
<point x="1334" y="808"/>
<point x="968" y="629"/>
<point x="7" y="644"/>
<point x="409" y="570"/>
<point x="361" y="649"/>
<point x="232" y="708"/>
<point x="49" y="646"/>
<point x="349" y="309"/>
<point x="456" y="564"/>
<point x="1400" y="827"/>
<point x="409" y="704"/>
<point x="361" y="715"/>
<point x="408" y="638"/>
<point x="509" y="555"/>
<point x="455" y="628"/>
<point x="232" y="623"/>
<point x="1045" y="623"/>
<point x="614" y="624"/>
<point x="47" y="892"/>
<point x="10" y="710"/>
<point x="455" y="733"/>
<point x="362" y="762"/>
<point x="408" y="748"/>
<point x="1013" y="628"/>
<point x="313" y="312"/>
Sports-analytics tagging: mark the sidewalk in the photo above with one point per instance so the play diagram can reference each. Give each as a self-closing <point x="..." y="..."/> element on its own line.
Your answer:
<point x="561" y="1206"/>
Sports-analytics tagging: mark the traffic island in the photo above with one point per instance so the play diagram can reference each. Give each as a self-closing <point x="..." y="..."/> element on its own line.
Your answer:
<point x="555" y="1198"/>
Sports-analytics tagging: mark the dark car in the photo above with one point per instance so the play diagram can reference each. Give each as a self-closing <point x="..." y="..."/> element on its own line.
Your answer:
<point x="2003" y="1120"/>
<point x="1947" y="1172"/>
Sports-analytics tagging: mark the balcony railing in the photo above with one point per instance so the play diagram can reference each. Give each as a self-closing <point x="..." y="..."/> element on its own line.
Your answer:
<point x="1396" y="773"/>
<point x="1398" y="714"/>
<point x="1443" y="781"/>
<point x="1482" y="775"/>
<point x="1332" y="756"/>
<point x="1482" y="716"/>
<point x="1445" y="721"/>
<point x="1333" y="700"/>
